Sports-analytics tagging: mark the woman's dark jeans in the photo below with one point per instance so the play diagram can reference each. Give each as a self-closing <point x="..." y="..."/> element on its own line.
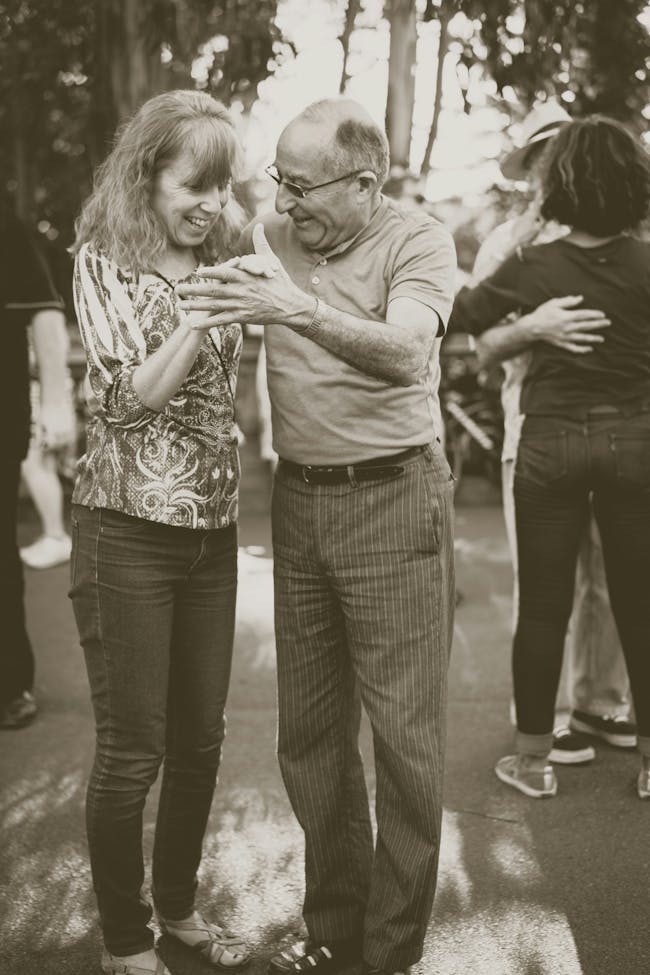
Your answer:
<point x="560" y="463"/>
<point x="155" y="609"/>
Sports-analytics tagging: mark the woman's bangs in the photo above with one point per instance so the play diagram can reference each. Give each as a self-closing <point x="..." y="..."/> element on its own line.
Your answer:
<point x="214" y="150"/>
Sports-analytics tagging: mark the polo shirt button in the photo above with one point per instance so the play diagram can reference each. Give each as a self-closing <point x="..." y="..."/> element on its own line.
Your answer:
<point x="323" y="262"/>
<point x="315" y="279"/>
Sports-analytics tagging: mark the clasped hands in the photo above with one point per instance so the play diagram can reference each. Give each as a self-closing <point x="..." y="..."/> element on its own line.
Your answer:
<point x="253" y="288"/>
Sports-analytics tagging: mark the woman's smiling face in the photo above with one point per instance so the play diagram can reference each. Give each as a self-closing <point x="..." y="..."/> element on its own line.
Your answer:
<point x="187" y="212"/>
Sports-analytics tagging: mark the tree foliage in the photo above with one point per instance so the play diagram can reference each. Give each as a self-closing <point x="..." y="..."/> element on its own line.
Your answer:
<point x="593" y="55"/>
<point x="70" y="72"/>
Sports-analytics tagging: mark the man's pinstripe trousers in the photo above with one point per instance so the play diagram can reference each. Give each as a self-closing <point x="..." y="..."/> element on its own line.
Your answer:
<point x="364" y="595"/>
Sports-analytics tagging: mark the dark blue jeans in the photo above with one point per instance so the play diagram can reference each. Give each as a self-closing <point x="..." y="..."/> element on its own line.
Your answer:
<point x="561" y="462"/>
<point x="155" y="608"/>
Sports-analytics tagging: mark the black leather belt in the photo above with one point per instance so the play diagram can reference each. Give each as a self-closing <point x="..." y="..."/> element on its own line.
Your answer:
<point x="377" y="469"/>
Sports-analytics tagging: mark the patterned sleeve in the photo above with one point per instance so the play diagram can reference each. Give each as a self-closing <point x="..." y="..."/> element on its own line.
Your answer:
<point x="112" y="339"/>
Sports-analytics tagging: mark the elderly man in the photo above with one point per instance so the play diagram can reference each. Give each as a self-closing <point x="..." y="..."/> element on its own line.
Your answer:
<point x="354" y="293"/>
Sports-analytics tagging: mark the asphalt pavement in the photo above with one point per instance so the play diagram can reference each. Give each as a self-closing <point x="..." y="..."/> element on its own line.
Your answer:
<point x="526" y="887"/>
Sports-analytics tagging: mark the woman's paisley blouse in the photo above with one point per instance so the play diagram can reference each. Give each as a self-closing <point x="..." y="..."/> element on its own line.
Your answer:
<point x="178" y="466"/>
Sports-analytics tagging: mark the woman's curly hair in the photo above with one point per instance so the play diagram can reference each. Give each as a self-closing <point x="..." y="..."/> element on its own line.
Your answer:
<point x="596" y="177"/>
<point x="118" y="218"/>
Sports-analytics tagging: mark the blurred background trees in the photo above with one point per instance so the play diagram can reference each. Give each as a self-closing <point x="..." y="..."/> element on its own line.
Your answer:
<point x="71" y="71"/>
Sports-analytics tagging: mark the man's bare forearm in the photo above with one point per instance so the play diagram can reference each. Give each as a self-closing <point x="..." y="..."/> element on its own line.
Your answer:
<point x="396" y="353"/>
<point x="50" y="340"/>
<point x="502" y="342"/>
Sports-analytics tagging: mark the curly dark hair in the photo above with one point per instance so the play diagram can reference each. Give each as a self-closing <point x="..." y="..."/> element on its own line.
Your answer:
<point x="596" y="177"/>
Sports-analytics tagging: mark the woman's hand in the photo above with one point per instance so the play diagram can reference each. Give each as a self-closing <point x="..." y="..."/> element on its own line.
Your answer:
<point x="257" y="265"/>
<point x="559" y="322"/>
<point x="254" y="288"/>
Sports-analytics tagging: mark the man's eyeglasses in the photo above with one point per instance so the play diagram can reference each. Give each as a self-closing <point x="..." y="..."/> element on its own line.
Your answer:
<point x="300" y="192"/>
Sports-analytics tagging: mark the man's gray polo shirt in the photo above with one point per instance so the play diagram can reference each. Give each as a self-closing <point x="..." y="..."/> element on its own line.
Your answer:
<point x="323" y="409"/>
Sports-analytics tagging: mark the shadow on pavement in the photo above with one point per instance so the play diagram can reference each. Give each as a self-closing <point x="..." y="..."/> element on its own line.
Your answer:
<point x="526" y="887"/>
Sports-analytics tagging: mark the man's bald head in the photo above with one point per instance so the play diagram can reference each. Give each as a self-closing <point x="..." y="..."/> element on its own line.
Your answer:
<point x="349" y="137"/>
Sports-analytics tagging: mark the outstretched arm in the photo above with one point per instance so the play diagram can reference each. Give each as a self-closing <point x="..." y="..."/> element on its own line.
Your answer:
<point x="558" y="321"/>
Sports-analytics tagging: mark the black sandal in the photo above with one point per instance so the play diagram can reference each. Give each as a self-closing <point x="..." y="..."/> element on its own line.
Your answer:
<point x="307" y="956"/>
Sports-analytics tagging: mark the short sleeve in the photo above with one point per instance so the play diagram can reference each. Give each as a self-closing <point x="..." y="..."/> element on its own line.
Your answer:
<point x="26" y="282"/>
<point x="424" y="269"/>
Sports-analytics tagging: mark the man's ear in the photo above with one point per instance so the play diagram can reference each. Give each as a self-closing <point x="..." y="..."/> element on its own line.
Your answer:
<point x="367" y="181"/>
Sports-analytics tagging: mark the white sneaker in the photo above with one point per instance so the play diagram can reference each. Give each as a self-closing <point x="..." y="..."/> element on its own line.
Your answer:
<point x="533" y="780"/>
<point x="46" y="552"/>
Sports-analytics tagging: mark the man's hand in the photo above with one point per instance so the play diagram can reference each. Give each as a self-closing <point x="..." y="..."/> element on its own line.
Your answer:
<point x="559" y="322"/>
<point x="255" y="288"/>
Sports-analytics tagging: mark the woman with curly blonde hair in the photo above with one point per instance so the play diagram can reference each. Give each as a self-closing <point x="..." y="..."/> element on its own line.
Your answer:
<point x="153" y="574"/>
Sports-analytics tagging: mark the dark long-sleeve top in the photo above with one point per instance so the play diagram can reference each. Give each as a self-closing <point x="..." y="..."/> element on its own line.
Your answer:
<point x="613" y="277"/>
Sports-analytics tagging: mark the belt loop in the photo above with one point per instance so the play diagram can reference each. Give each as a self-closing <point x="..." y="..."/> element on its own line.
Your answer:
<point x="305" y="474"/>
<point x="352" y="478"/>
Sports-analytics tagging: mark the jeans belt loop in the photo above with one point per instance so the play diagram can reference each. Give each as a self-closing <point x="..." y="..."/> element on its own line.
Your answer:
<point x="353" y="480"/>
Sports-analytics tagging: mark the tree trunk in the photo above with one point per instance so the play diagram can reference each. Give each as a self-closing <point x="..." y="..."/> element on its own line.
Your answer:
<point x="22" y="172"/>
<point x="128" y="66"/>
<point x="350" y="17"/>
<point x="443" y="47"/>
<point x="401" y="80"/>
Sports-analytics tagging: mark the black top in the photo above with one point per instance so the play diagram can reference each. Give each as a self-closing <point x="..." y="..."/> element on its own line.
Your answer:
<point x="614" y="278"/>
<point x="25" y="288"/>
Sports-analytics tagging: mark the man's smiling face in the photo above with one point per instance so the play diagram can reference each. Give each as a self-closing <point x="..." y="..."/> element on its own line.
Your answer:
<point x="330" y="215"/>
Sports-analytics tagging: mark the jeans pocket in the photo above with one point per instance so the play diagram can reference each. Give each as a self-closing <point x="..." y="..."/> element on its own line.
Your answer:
<point x="119" y="524"/>
<point x="632" y="457"/>
<point x="542" y="457"/>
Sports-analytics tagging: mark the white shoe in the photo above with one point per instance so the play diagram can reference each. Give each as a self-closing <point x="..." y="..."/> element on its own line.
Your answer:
<point x="47" y="552"/>
<point x="527" y="775"/>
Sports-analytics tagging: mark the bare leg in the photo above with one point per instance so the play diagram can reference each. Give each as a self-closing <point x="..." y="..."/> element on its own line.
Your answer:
<point x="40" y="475"/>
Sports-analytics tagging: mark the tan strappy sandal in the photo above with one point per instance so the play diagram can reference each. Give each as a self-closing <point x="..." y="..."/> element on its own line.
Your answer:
<point x="218" y="946"/>
<point x="113" y="965"/>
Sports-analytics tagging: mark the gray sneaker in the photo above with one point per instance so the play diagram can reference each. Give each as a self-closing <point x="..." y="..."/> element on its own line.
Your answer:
<point x="533" y="780"/>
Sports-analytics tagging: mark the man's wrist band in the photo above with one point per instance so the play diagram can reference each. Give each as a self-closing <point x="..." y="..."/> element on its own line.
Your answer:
<point x="314" y="323"/>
